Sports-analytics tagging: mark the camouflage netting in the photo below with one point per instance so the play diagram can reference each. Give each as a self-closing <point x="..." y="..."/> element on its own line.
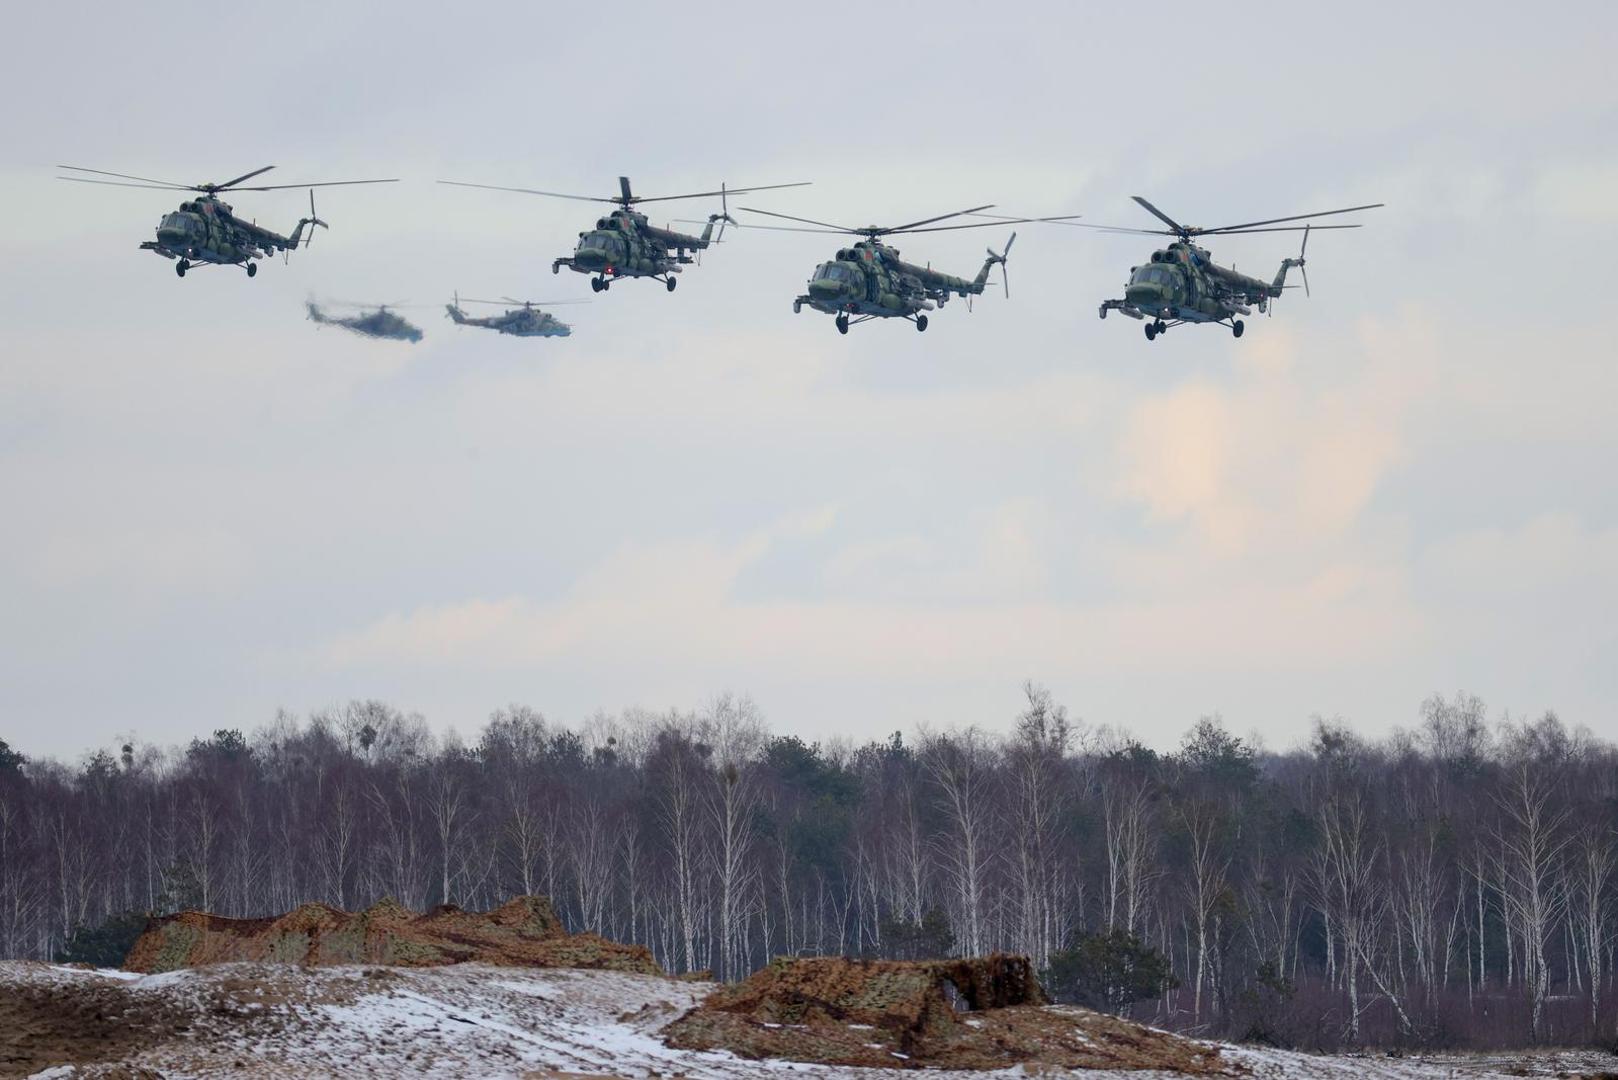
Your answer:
<point x="524" y="932"/>
<point x="985" y="1013"/>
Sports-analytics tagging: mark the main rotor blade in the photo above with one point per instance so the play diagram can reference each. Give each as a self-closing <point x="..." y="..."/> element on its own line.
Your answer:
<point x="1065" y="220"/>
<point x="239" y="179"/>
<point x="623" y="189"/>
<point x="722" y="191"/>
<point x="123" y="176"/>
<point x="319" y="183"/>
<point x="120" y="183"/>
<point x="1164" y="218"/>
<point x="1283" y="228"/>
<point x="1060" y="219"/>
<point x="940" y="217"/>
<point x="530" y="191"/>
<point x="1294" y="217"/>
<point x="951" y="228"/>
<point x="804" y="220"/>
<point x="791" y="228"/>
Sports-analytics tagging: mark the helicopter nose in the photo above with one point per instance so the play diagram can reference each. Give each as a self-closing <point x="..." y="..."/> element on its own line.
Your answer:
<point x="590" y="256"/>
<point x="1145" y="297"/>
<point x="824" y="287"/>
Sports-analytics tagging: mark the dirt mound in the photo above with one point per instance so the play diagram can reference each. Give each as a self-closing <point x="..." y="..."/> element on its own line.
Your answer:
<point x="44" y="1025"/>
<point x="986" y="1013"/>
<point x="524" y="932"/>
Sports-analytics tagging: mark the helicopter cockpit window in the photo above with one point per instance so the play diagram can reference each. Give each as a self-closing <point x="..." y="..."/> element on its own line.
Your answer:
<point x="837" y="272"/>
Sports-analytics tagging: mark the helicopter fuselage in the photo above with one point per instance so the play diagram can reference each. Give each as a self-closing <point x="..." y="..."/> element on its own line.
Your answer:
<point x="1182" y="283"/>
<point x="380" y="323"/>
<point x="624" y="244"/>
<point x="870" y="280"/>
<point x="205" y="230"/>
<point x="525" y="321"/>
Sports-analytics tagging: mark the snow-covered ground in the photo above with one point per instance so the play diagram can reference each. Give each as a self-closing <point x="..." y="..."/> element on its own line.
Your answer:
<point x="477" y="1021"/>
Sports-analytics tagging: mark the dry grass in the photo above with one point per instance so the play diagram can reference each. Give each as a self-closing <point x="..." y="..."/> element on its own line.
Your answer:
<point x="986" y="1013"/>
<point x="524" y="932"/>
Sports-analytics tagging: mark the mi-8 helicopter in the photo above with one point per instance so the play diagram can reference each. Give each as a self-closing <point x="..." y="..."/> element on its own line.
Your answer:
<point x="624" y="244"/>
<point x="207" y="231"/>
<point x="523" y="320"/>
<point x="376" y="322"/>
<point x="868" y="280"/>
<point x="1182" y="283"/>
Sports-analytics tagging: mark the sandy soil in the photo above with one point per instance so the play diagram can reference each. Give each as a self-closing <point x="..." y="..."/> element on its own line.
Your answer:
<point x="477" y="1020"/>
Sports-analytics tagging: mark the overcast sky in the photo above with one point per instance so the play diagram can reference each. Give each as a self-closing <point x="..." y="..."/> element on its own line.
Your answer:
<point x="1404" y="484"/>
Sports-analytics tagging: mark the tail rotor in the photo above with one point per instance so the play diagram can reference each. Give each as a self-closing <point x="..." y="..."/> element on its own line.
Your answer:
<point x="724" y="212"/>
<point x="1287" y="264"/>
<point x="1000" y="257"/>
<point x="312" y="219"/>
<point x="1301" y="269"/>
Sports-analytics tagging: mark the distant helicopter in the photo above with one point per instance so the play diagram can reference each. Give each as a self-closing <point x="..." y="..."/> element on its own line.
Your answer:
<point x="524" y="320"/>
<point x="1182" y="283"/>
<point x="624" y="244"/>
<point x="206" y="231"/>
<point x="868" y="280"/>
<point x="377" y="322"/>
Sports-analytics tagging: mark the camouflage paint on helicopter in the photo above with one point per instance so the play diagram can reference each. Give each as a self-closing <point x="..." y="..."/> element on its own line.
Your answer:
<point x="378" y="322"/>
<point x="624" y="244"/>
<point x="524" y="320"/>
<point x="1182" y="283"/>
<point x="207" y="230"/>
<point x="868" y="280"/>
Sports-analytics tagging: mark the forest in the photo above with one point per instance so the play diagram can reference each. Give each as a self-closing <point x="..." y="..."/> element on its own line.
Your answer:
<point x="1451" y="884"/>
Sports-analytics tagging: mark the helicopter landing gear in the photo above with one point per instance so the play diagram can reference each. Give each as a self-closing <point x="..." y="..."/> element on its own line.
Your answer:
<point x="181" y="267"/>
<point x="599" y="284"/>
<point x="671" y="283"/>
<point x="1152" y="330"/>
<point x="921" y="322"/>
<point x="842" y="324"/>
<point x="1237" y="327"/>
<point x="797" y="307"/>
<point x="252" y="269"/>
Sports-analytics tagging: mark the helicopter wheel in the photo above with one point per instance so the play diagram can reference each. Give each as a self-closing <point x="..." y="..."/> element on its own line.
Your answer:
<point x="181" y="267"/>
<point x="1237" y="327"/>
<point x="596" y="284"/>
<point x="797" y="307"/>
<point x="252" y="269"/>
<point x="1151" y="331"/>
<point x="672" y="282"/>
<point x="842" y="324"/>
<point x="921" y="322"/>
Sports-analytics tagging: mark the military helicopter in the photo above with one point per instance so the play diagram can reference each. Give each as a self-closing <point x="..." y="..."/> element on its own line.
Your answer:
<point x="376" y="322"/>
<point x="868" y="280"/>
<point x="1182" y="283"/>
<point x="207" y="231"/>
<point x="524" y="320"/>
<point x="624" y="244"/>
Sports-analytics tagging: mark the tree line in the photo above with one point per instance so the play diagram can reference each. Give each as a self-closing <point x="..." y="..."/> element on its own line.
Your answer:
<point x="1451" y="884"/>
